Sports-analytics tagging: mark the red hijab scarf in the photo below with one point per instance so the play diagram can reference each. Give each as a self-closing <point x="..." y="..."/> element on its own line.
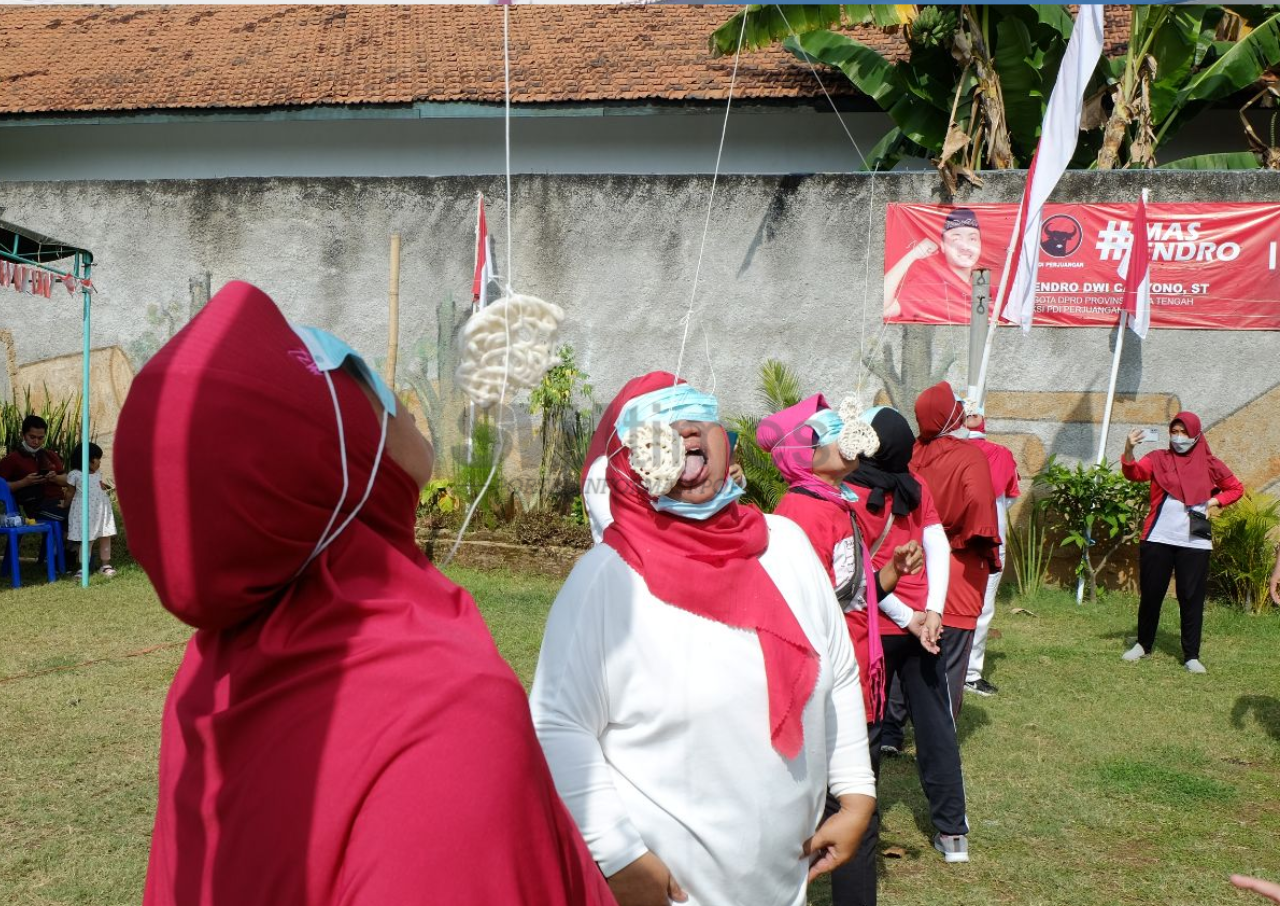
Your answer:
<point x="785" y="436"/>
<point x="710" y="568"/>
<point x="957" y="474"/>
<point x="327" y="737"/>
<point x="1190" y="477"/>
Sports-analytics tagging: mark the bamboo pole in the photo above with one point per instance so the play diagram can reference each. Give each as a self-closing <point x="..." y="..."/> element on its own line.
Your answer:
<point x="393" y="305"/>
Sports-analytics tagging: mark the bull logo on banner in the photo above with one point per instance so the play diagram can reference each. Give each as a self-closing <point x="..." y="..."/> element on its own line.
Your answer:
<point x="1061" y="236"/>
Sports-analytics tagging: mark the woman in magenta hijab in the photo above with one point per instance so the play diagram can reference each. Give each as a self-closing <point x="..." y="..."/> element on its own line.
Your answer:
<point x="342" y="730"/>
<point x="1188" y="483"/>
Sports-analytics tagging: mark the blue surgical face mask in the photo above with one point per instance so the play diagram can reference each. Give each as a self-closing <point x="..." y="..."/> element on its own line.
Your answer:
<point x="729" y="492"/>
<point x="828" y="424"/>
<point x="668" y="405"/>
<point x="329" y="354"/>
<point x="848" y="493"/>
<point x="1182" y="444"/>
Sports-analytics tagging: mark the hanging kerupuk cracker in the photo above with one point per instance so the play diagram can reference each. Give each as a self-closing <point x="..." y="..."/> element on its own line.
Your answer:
<point x="507" y="346"/>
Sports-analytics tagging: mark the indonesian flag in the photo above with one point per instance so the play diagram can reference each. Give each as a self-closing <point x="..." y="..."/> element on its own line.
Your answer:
<point x="1136" y="270"/>
<point x="484" y="263"/>
<point x="1058" y="135"/>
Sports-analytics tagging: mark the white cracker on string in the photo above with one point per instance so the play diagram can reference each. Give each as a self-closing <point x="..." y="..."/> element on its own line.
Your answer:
<point x="857" y="437"/>
<point x="657" y="455"/>
<point x="489" y="365"/>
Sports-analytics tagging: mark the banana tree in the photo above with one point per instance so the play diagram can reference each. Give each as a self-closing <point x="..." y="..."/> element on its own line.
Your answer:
<point x="972" y="94"/>
<point x="1180" y="60"/>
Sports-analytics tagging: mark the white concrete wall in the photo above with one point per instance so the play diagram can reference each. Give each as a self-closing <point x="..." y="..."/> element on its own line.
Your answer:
<point x="792" y="269"/>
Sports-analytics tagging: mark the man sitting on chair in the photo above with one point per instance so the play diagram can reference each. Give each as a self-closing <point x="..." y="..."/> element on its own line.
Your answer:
<point x="36" y="476"/>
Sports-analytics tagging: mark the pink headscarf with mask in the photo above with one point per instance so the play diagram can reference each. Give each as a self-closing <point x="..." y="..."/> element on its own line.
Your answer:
<point x="792" y="443"/>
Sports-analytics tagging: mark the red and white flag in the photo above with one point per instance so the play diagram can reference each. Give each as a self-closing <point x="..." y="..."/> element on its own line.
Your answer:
<point x="1058" y="135"/>
<point x="1136" y="271"/>
<point x="484" y="263"/>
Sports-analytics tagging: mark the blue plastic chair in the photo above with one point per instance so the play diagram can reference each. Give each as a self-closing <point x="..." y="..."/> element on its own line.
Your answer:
<point x="13" y="534"/>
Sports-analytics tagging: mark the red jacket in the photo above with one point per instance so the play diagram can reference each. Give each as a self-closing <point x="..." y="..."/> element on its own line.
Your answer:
<point x="1140" y="470"/>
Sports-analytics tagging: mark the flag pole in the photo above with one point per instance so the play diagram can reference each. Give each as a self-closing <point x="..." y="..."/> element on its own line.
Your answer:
<point x="978" y="391"/>
<point x="1111" y="389"/>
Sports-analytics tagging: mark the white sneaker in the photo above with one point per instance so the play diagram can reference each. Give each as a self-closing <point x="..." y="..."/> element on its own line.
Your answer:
<point x="1194" y="666"/>
<point x="1137" y="652"/>
<point x="954" y="847"/>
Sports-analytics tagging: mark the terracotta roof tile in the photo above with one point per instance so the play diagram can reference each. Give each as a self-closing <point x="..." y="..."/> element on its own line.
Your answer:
<point x="102" y="58"/>
<point x="59" y="58"/>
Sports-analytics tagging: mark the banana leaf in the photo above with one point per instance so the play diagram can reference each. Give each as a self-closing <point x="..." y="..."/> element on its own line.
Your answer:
<point x="1234" y="160"/>
<point x="767" y="24"/>
<point x="882" y="81"/>
<point x="1175" y="46"/>
<point x="887" y="152"/>
<point x="1019" y="80"/>
<point x="1237" y="69"/>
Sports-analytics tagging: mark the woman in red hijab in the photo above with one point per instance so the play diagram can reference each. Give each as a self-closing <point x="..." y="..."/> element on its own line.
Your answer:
<point x="341" y="715"/>
<point x="1187" y="483"/>
<point x="696" y="694"/>
<point x="959" y="476"/>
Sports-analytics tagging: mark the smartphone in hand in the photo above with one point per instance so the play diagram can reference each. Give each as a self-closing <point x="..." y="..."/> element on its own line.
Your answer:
<point x="1150" y="435"/>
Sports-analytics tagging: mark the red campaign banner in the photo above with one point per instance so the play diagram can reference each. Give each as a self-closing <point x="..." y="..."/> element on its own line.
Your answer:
<point x="1213" y="266"/>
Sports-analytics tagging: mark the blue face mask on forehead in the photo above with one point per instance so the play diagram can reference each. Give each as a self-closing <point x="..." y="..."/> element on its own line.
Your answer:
<point x="668" y="405"/>
<point x="330" y="354"/>
<point x="828" y="424"/>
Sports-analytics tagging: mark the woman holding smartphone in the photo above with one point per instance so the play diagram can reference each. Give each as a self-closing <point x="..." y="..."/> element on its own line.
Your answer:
<point x="1188" y="484"/>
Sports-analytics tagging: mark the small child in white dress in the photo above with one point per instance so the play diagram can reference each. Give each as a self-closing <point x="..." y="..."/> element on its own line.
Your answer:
<point x="102" y="518"/>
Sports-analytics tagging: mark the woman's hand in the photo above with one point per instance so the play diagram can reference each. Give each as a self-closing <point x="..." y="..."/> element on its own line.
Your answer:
<point x="919" y="628"/>
<point x="1257" y="885"/>
<point x="908" y="559"/>
<point x="931" y="638"/>
<point x="646" y="882"/>
<point x="839" y="837"/>
<point x="1131" y="440"/>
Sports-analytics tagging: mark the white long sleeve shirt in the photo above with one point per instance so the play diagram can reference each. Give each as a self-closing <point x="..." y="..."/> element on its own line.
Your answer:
<point x="655" y="722"/>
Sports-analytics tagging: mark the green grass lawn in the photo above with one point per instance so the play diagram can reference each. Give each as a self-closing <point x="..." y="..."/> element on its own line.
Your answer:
<point x="1091" y="782"/>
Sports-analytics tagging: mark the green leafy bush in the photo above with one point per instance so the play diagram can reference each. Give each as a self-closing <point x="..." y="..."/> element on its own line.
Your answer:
<point x="779" y="388"/>
<point x="1028" y="548"/>
<point x="1243" y="551"/>
<point x="564" y="400"/>
<point x="470" y="478"/>
<point x="1096" y="508"/>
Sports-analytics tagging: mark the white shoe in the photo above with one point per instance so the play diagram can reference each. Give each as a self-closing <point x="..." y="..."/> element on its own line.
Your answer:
<point x="1194" y="666"/>
<point x="1137" y="652"/>
<point x="954" y="848"/>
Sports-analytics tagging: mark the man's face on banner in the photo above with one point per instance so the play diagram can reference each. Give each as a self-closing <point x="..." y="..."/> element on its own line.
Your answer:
<point x="962" y="247"/>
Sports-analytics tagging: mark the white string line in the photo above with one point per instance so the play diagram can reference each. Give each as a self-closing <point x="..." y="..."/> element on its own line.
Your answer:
<point x="809" y="63"/>
<point x="706" y="226"/>
<point x="506" y="313"/>
<point x="863" y="353"/>
<point x="506" y="79"/>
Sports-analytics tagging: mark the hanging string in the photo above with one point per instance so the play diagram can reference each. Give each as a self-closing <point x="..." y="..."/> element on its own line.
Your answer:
<point x="864" y="355"/>
<point x="706" y="226"/>
<point x="500" y="445"/>
<point x="506" y="123"/>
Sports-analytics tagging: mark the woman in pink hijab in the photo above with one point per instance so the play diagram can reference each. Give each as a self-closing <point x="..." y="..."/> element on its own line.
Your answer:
<point x="342" y="730"/>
